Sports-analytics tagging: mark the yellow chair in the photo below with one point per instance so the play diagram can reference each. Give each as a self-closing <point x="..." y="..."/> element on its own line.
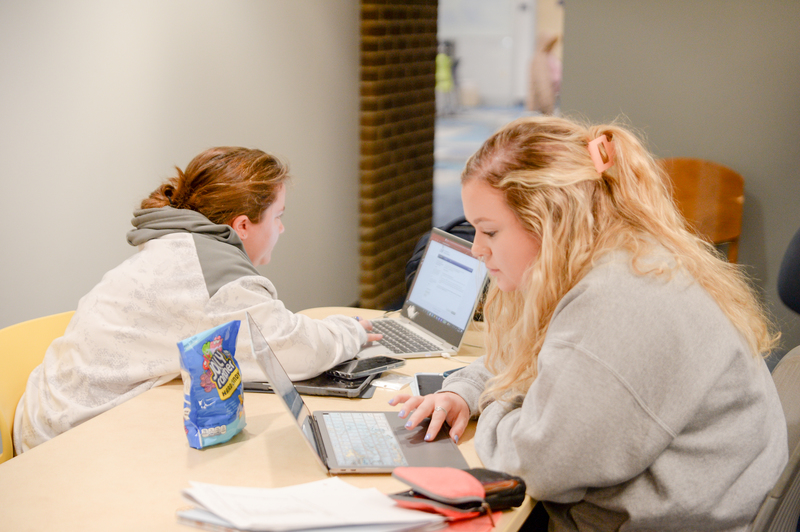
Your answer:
<point x="23" y="348"/>
<point x="711" y="198"/>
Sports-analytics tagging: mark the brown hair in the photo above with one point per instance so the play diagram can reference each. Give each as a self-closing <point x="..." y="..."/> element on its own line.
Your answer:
<point x="223" y="183"/>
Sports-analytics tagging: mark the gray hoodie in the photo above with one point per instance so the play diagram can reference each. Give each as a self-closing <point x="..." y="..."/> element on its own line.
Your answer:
<point x="649" y="411"/>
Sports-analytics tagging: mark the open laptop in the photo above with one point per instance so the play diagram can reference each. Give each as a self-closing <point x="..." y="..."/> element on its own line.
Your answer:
<point x="336" y="437"/>
<point x="440" y="304"/>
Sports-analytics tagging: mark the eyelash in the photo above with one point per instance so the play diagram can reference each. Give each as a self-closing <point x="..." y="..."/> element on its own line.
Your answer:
<point x="490" y="234"/>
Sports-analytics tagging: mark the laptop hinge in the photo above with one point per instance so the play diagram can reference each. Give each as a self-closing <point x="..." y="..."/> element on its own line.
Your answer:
<point x="319" y="441"/>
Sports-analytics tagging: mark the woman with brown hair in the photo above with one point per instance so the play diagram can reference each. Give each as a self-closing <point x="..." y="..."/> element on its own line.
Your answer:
<point x="623" y="377"/>
<point x="200" y="235"/>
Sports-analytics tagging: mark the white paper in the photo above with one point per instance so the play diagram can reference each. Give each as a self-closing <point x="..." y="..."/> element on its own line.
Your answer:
<point x="208" y="521"/>
<point x="392" y="381"/>
<point x="322" y="504"/>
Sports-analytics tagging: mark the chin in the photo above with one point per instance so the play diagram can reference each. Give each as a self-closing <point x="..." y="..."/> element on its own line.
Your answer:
<point x="505" y="286"/>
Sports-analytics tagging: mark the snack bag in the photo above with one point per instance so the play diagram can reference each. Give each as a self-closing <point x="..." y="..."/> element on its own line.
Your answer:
<point x="213" y="399"/>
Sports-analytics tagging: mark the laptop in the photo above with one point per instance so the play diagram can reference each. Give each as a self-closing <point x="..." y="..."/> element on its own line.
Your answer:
<point x="337" y="437"/>
<point x="440" y="304"/>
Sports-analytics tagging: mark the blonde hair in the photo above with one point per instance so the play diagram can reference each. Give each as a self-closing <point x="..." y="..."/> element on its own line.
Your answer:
<point x="542" y="167"/>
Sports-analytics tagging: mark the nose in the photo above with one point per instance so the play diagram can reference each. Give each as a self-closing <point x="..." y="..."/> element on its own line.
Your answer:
<point x="280" y="231"/>
<point x="479" y="251"/>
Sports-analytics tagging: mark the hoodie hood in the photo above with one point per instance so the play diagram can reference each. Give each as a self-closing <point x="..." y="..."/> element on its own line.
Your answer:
<point x="150" y="224"/>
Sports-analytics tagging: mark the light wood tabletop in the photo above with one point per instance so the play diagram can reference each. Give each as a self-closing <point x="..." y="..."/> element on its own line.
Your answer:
<point x="125" y="469"/>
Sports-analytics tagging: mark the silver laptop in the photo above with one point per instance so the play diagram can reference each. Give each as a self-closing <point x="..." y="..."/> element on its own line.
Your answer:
<point x="354" y="442"/>
<point x="439" y="307"/>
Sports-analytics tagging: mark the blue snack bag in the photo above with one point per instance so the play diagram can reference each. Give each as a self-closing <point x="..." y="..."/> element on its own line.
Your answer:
<point x="213" y="398"/>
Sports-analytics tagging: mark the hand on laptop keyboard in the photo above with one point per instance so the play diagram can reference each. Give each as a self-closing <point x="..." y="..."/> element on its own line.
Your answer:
<point x="371" y="337"/>
<point x="440" y="407"/>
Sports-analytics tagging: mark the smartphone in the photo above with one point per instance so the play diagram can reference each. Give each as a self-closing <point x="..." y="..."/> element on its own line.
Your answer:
<point x="361" y="367"/>
<point x="325" y="385"/>
<point x="426" y="383"/>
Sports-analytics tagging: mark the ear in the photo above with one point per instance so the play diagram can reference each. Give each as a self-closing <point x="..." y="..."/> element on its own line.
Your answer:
<point x="241" y="224"/>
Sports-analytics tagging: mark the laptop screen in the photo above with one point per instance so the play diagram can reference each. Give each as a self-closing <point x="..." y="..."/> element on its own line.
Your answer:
<point x="282" y="384"/>
<point x="446" y="288"/>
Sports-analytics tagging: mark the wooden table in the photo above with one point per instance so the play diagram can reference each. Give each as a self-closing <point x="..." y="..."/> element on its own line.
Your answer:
<point x="125" y="469"/>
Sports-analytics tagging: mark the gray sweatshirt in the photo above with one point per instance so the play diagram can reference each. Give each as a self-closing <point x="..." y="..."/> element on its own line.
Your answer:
<point x="649" y="411"/>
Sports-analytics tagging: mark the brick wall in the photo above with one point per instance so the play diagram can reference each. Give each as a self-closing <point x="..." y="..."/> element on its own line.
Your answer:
<point x="398" y="109"/>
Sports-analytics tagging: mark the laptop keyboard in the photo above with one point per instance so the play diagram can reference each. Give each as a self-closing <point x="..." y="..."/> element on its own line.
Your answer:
<point x="363" y="439"/>
<point x="399" y="339"/>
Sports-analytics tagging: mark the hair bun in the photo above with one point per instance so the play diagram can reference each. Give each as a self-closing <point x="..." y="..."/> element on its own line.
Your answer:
<point x="169" y="191"/>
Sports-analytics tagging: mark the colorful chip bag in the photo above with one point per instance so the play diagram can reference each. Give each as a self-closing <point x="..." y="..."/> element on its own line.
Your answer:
<point x="213" y="407"/>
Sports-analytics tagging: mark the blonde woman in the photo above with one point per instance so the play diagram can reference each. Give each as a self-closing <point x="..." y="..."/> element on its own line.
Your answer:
<point x="623" y="377"/>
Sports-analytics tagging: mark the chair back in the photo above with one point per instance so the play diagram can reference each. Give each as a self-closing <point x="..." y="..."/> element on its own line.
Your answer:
<point x="711" y="198"/>
<point x="24" y="346"/>
<point x="781" y="509"/>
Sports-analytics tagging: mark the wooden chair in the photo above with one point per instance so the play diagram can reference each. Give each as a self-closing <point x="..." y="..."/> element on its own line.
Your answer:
<point x="24" y="346"/>
<point x="711" y="198"/>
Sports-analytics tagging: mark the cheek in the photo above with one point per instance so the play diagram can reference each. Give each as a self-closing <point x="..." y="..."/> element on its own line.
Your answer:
<point x="515" y="255"/>
<point x="526" y="255"/>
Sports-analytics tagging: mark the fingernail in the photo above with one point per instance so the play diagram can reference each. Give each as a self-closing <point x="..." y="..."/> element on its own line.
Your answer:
<point x="408" y="425"/>
<point x="455" y="439"/>
<point x="428" y="437"/>
<point x="402" y="413"/>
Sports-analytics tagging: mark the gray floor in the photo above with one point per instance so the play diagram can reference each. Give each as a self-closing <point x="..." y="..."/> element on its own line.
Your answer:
<point x="458" y="136"/>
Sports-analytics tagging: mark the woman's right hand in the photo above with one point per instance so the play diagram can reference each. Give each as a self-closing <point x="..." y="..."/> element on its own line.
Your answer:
<point x="440" y="407"/>
<point x="371" y="337"/>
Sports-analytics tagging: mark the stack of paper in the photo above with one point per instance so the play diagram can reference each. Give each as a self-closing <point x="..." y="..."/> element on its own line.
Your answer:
<point x="321" y="505"/>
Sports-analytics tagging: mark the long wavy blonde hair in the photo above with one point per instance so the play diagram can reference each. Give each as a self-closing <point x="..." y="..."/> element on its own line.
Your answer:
<point x="542" y="167"/>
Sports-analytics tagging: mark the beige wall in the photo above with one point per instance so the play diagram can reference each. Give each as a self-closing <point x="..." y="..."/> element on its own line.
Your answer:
<point x="718" y="79"/>
<point x="100" y="100"/>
